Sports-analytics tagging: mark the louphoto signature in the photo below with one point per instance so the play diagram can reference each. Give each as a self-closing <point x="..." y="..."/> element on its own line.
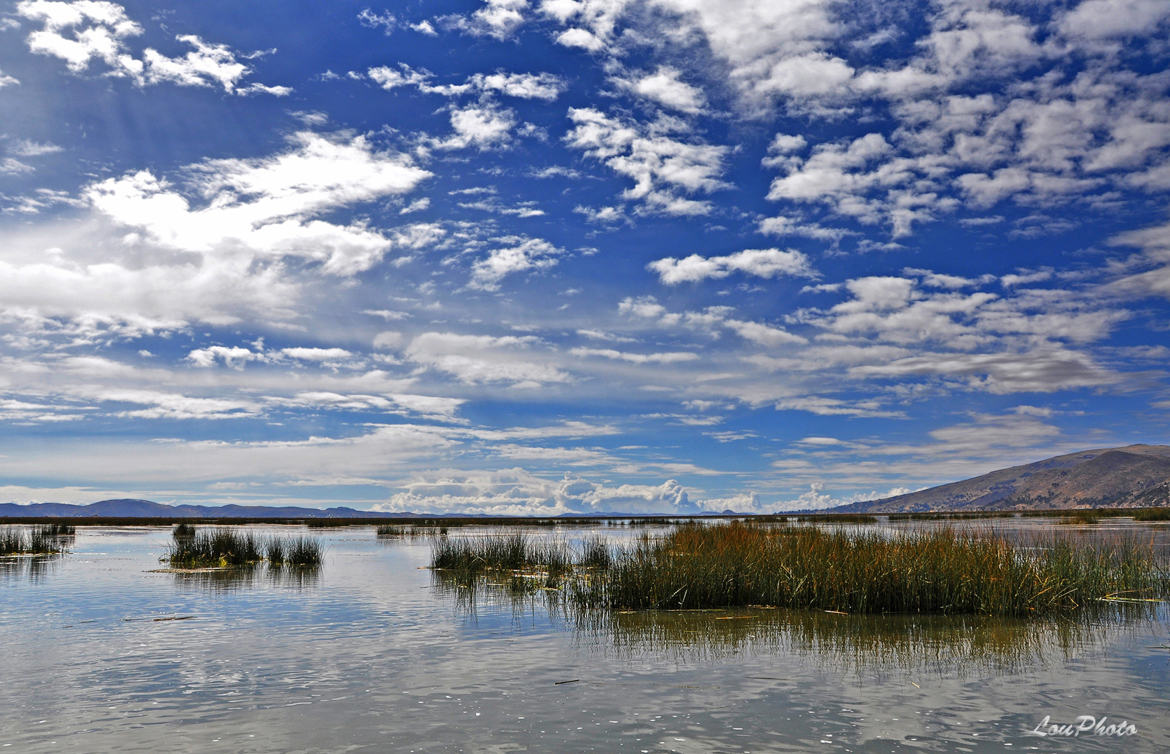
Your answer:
<point x="1084" y="725"/>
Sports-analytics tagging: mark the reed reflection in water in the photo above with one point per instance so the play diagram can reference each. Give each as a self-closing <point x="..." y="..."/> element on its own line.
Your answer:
<point x="247" y="577"/>
<point x="868" y="644"/>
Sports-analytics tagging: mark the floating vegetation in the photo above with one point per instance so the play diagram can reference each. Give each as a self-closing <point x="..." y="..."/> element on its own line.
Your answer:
<point x="222" y="548"/>
<point x="46" y="539"/>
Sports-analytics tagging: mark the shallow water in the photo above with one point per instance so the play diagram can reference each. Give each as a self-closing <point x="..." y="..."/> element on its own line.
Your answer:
<point x="377" y="653"/>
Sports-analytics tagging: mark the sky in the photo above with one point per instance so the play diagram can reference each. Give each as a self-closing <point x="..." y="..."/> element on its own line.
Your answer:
<point x="576" y="256"/>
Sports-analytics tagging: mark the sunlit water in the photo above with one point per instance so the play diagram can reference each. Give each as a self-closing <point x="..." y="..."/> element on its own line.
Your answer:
<point x="376" y="653"/>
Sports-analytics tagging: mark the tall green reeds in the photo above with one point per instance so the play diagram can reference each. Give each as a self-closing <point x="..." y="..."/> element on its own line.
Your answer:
<point x="47" y="539"/>
<point x="929" y="572"/>
<point x="474" y="555"/>
<point x="218" y="548"/>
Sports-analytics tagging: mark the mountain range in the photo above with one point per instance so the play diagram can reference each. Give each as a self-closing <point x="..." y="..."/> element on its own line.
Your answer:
<point x="1134" y="476"/>
<point x="148" y="509"/>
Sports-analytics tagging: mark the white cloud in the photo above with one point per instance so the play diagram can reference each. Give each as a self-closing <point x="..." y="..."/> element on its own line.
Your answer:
<point x="232" y="356"/>
<point x="482" y="126"/>
<point x="498" y="18"/>
<point x="544" y="86"/>
<point x="1099" y="19"/>
<point x="765" y="263"/>
<point x="267" y="205"/>
<point x="526" y="255"/>
<point x="666" y="88"/>
<point x="6" y="80"/>
<point x="670" y="357"/>
<point x="516" y="491"/>
<point x="581" y="38"/>
<point x="85" y="31"/>
<point x="482" y="358"/>
<point x="659" y="164"/>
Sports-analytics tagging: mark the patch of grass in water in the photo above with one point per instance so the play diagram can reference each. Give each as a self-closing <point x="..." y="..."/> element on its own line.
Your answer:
<point x="1151" y="514"/>
<point x="910" y="572"/>
<point x="219" y="548"/>
<point x="46" y="539"/>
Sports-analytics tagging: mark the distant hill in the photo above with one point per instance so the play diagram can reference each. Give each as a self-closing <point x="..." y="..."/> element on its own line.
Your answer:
<point x="149" y="509"/>
<point x="1135" y="476"/>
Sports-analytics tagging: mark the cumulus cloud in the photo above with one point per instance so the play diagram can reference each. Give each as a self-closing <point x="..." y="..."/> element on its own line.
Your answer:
<point x="764" y="263"/>
<point x="87" y="31"/>
<point x="526" y="255"/>
<point x="661" y="165"/>
<point x="666" y="88"/>
<point x="517" y="491"/>
<point x="482" y="358"/>
<point x="268" y="205"/>
<point x="541" y="86"/>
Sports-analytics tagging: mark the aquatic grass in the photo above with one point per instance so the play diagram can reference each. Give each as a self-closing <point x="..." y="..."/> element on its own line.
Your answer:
<point x="48" y="539"/>
<point x="183" y="530"/>
<point x="221" y="548"/>
<point x="474" y="555"/>
<point x="303" y="552"/>
<point x="1151" y="514"/>
<point x="387" y="530"/>
<point x="942" y="571"/>
<point x="596" y="553"/>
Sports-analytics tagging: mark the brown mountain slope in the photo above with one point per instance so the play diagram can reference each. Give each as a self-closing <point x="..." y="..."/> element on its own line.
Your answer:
<point x="1133" y="476"/>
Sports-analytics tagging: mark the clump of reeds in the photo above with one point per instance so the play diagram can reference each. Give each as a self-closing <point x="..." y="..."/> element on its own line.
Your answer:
<point x="303" y="552"/>
<point x="219" y="548"/>
<point x="596" y="553"/>
<point x="183" y="530"/>
<point x="38" y="540"/>
<point x="1151" y="514"/>
<point x="386" y="530"/>
<point x="474" y="555"/>
<point x="939" y="571"/>
<point x="58" y="530"/>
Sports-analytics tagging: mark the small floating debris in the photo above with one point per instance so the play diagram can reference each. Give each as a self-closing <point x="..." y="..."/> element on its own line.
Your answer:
<point x="562" y="683"/>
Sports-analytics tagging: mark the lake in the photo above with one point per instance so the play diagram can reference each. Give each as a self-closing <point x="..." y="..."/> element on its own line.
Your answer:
<point x="102" y="652"/>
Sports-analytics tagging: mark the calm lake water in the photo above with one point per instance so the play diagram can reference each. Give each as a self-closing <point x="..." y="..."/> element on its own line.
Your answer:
<point x="376" y="653"/>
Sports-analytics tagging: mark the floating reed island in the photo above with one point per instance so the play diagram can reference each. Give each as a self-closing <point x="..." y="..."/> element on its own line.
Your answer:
<point x="736" y="565"/>
<point x="46" y="539"/>
<point x="225" y="548"/>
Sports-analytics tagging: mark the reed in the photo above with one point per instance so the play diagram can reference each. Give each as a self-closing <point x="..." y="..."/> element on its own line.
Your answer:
<point x="475" y="555"/>
<point x="220" y="548"/>
<point x="48" y="539"/>
<point x="731" y="565"/>
<point x="183" y="530"/>
<point x="388" y="530"/>
<point x="1151" y="514"/>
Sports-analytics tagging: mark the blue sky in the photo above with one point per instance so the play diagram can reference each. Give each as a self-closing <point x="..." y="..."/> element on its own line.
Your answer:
<point x="576" y="255"/>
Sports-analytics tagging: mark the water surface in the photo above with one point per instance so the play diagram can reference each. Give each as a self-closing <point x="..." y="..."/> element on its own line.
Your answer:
<point x="377" y="653"/>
